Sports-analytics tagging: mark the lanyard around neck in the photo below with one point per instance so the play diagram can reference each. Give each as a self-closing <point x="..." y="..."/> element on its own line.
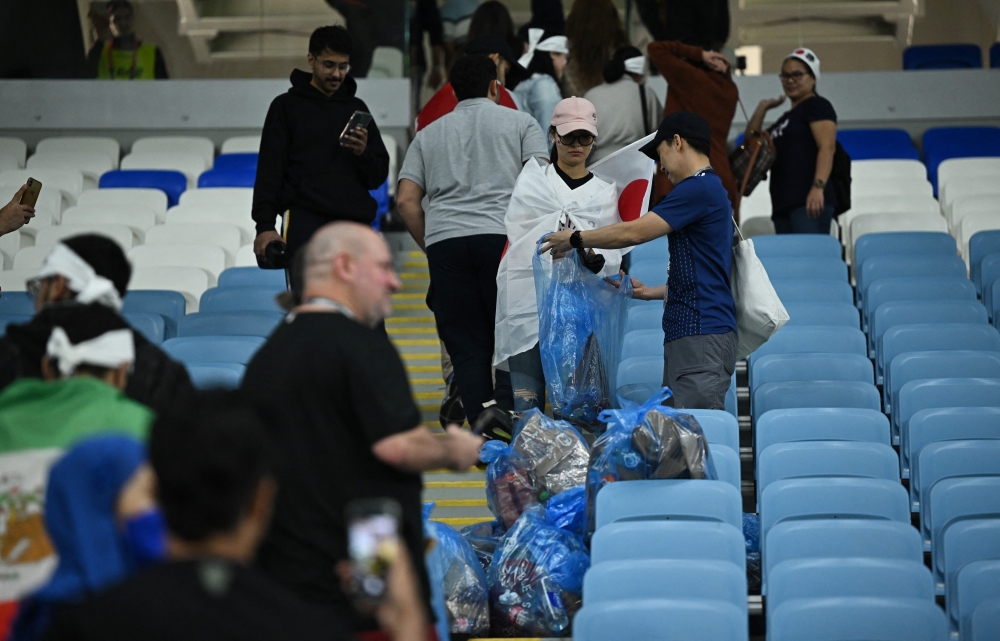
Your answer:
<point x="330" y="304"/>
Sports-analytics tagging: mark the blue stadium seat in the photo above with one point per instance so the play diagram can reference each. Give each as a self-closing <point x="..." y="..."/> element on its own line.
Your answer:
<point x="270" y="279"/>
<point x="655" y="251"/>
<point x="957" y="56"/>
<point x="802" y="267"/>
<point x="694" y="540"/>
<point x="246" y="161"/>
<point x="857" y="619"/>
<point x="928" y="337"/>
<point x="726" y="462"/>
<point x="885" y="290"/>
<point x="984" y="624"/>
<point x="780" y="368"/>
<point x="665" y="579"/>
<point x="840" y="314"/>
<point x="172" y="183"/>
<point x="239" y="299"/>
<point x="942" y="143"/>
<point x="797" y="245"/>
<point x="731" y="400"/>
<point x="976" y="583"/>
<point x="989" y="272"/>
<point x="213" y="349"/>
<point x="792" y="394"/>
<point x="893" y="266"/>
<point x="151" y="325"/>
<point x="932" y="393"/>
<point x="981" y="245"/>
<point x="992" y="299"/>
<point x="229" y="324"/>
<point x="813" y="290"/>
<point x="642" y="342"/>
<point x="639" y="377"/>
<point x="839" y="539"/>
<point x="912" y="312"/>
<point x="995" y="55"/>
<point x="965" y="542"/>
<point x="944" y="459"/>
<point x="949" y="424"/>
<point x="952" y="499"/>
<point x="12" y="319"/>
<point x="838" y="577"/>
<point x="802" y="459"/>
<point x="903" y="243"/>
<point x="719" y="426"/>
<point x="826" y="424"/>
<point x="669" y="499"/>
<point x="802" y="340"/>
<point x="877" y="144"/>
<point x="912" y="366"/>
<point x="227" y="178"/>
<point x="649" y="273"/>
<point x="205" y="377"/>
<point x="18" y="303"/>
<point x="661" y="619"/>
<point x="643" y="318"/>
<point x="169" y="305"/>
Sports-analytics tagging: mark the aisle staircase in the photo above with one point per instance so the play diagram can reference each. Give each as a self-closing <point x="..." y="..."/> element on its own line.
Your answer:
<point x="460" y="497"/>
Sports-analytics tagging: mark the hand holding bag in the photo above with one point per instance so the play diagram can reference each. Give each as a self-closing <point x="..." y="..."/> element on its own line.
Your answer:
<point x="759" y="312"/>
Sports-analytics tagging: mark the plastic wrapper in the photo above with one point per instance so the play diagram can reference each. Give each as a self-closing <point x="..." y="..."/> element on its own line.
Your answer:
<point x="536" y="578"/>
<point x="751" y="533"/>
<point x="568" y="510"/>
<point x="581" y="326"/>
<point x="483" y="538"/>
<point x="463" y="581"/>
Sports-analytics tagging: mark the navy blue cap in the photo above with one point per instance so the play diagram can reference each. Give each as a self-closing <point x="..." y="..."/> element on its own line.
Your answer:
<point x="490" y="43"/>
<point x="685" y="124"/>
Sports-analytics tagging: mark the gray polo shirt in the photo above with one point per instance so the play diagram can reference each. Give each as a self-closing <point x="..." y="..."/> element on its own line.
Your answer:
<point x="467" y="163"/>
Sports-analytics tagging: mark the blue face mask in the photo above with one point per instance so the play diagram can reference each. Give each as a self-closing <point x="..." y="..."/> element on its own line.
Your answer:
<point x="146" y="537"/>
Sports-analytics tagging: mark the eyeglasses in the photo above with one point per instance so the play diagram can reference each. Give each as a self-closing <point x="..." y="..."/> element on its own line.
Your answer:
<point x="34" y="286"/>
<point x="571" y="140"/>
<point x="796" y="75"/>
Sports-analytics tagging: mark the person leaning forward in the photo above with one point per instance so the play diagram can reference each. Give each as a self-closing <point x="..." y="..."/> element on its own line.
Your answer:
<point x="699" y="316"/>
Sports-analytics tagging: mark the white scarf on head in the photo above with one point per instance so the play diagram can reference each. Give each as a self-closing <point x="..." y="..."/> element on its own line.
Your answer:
<point x="81" y="277"/>
<point x="636" y="65"/>
<point x="111" y="349"/>
<point x="555" y="44"/>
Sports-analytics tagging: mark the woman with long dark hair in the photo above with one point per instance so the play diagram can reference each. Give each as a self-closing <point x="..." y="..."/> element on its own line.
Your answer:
<point x="545" y="61"/>
<point x="595" y="33"/>
<point x="628" y="109"/>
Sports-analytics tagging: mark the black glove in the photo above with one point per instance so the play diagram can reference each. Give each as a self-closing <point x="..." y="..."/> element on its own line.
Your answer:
<point x="593" y="262"/>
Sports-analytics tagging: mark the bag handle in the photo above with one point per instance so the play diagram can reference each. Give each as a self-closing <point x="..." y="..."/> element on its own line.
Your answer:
<point x="750" y="165"/>
<point x="645" y="109"/>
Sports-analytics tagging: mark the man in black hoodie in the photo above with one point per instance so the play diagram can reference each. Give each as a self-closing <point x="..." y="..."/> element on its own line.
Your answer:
<point x="156" y="381"/>
<point x="304" y="167"/>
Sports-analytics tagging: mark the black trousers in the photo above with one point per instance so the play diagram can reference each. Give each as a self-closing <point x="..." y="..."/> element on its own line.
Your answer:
<point x="464" y="302"/>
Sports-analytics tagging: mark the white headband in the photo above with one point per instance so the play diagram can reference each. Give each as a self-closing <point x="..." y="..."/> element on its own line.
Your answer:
<point x="81" y="277"/>
<point x="555" y="44"/>
<point x="110" y="349"/>
<point x="636" y="65"/>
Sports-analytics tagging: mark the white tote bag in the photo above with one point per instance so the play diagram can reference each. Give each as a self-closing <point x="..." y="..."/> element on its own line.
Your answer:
<point x="759" y="312"/>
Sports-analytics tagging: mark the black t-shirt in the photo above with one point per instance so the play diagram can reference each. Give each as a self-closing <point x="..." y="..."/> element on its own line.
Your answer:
<point x="210" y="600"/>
<point x="572" y="183"/>
<point x="336" y="388"/>
<point x="794" y="168"/>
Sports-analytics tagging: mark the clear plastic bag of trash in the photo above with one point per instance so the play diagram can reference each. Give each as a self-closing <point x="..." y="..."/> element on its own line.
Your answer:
<point x="464" y="587"/>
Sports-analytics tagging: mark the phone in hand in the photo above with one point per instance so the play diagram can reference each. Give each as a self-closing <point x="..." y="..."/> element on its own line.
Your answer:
<point x="30" y="195"/>
<point x="373" y="544"/>
<point x="359" y="120"/>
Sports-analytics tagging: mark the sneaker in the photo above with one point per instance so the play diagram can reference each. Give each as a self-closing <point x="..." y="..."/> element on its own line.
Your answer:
<point x="452" y="410"/>
<point x="494" y="423"/>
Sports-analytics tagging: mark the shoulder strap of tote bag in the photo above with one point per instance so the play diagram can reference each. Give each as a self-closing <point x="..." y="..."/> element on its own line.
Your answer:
<point x="645" y="108"/>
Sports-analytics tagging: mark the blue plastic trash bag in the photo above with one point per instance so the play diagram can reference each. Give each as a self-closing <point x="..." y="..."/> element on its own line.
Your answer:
<point x="463" y="581"/>
<point x="483" y="538"/>
<point x="581" y="326"/>
<point x="751" y="533"/>
<point x="569" y="510"/>
<point x="536" y="578"/>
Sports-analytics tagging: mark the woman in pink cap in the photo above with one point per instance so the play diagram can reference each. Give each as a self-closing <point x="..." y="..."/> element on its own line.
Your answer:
<point x="563" y="194"/>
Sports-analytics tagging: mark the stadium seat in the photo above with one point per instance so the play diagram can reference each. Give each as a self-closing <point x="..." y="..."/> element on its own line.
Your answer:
<point x="883" y="170"/>
<point x="953" y="499"/>
<point x="92" y="165"/>
<point x="989" y="272"/>
<point x="801" y="340"/>
<point x="669" y="499"/>
<point x="140" y="220"/>
<point x="894" y="266"/>
<point x="189" y="281"/>
<point x="238" y="299"/>
<point x="797" y="245"/>
<point x="719" y="426"/>
<point x="649" y="272"/>
<point x="981" y="245"/>
<point x="49" y="236"/>
<point x="229" y="324"/>
<point x="877" y="144"/>
<point x="68" y="182"/>
<point x="923" y="288"/>
<point x="202" y="147"/>
<point x="639" y="377"/>
<point x="967" y="541"/>
<point x="836" y="314"/>
<point x="944" y="363"/>
<point x="241" y="144"/>
<point x="107" y="146"/>
<point x="783" y="268"/>
<point x="246" y="258"/>
<point x="643" y="342"/>
<point x="904" y="244"/>
<point x="14" y="280"/>
<point x="205" y="377"/>
<point x="963" y="168"/>
<point x="213" y="349"/>
<point x="780" y="368"/>
<point x="169" y="305"/>
<point x="976" y="583"/>
<point x="217" y="213"/>
<point x="912" y="199"/>
<point x="655" y="251"/>
<point x="975" y="223"/>
<point x="930" y="337"/>
<point x="271" y="279"/>
<point x="945" y="459"/>
<point x="13" y="319"/>
<point x="235" y="197"/>
<point x="18" y="303"/>
<point x="210" y="258"/>
<point x="189" y="164"/>
<point x="814" y="291"/>
<point x="965" y="195"/>
<point x="8" y="162"/>
<point x="662" y="539"/>
<point x="644" y="318"/>
<point x="984" y="624"/>
<point x="758" y="227"/>
<point x="31" y="258"/>
<point x="661" y="619"/>
<point x="930" y="393"/>
<point x="726" y="462"/>
<point x="950" y="424"/>
<point x="15" y="148"/>
<point x="857" y="619"/>
<point x="665" y="579"/>
<point x="866" y="194"/>
<point x="967" y="204"/>
<point x="171" y="183"/>
<point x="246" y="161"/>
<point x="228" y="237"/>
<point x="227" y="178"/>
<point x="820" y="424"/>
<point x="154" y="200"/>
<point x="882" y="223"/>
<point x="956" y="56"/>
<point x="942" y="143"/>
<point x="151" y="325"/>
<point x="908" y="312"/>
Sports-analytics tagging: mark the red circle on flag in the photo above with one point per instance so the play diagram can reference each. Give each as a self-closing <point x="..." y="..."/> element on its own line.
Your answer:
<point x="632" y="202"/>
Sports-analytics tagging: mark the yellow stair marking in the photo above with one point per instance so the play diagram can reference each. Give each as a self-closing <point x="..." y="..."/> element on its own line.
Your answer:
<point x="454" y="485"/>
<point x="397" y="331"/>
<point x="423" y="369"/>
<point x="408" y="296"/>
<point x="440" y="470"/>
<point x="414" y="276"/>
<point x="416" y="342"/>
<point x="416" y="253"/>
<point x="426" y="395"/>
<point x="409" y="319"/>
<point x="460" y="521"/>
<point x="407" y="306"/>
<point x="426" y="381"/>
<point x="423" y="356"/>
<point x="415" y="263"/>
<point x="460" y="502"/>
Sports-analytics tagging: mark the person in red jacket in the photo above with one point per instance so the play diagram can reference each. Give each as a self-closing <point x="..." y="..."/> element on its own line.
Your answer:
<point x="444" y="101"/>
<point x="698" y="81"/>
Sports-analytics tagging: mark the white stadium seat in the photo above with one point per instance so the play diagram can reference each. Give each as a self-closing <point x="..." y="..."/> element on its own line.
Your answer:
<point x="887" y="170"/>
<point x="196" y="214"/>
<point x="229" y="196"/>
<point x="962" y="206"/>
<point x="189" y="281"/>
<point x="10" y="244"/>
<point x="245" y="257"/>
<point x="92" y="165"/>
<point x="107" y="146"/>
<point x="183" y="144"/>
<point x="15" y="280"/>
<point x="387" y="62"/>
<point x="974" y="223"/>
<point x="31" y="258"/>
<point x="68" y="183"/>
<point x="960" y="186"/>
<point x="863" y="206"/>
<point x="138" y="219"/>
<point x="8" y="162"/>
<point x="875" y="223"/>
<point x="211" y="258"/>
<point x="15" y="148"/>
<point x="875" y="189"/>
<point x="43" y="218"/>
<point x="152" y="199"/>
<point x="118" y="233"/>
<point x="188" y="163"/>
<point x="954" y="168"/>
<point x="241" y="145"/>
<point x="758" y="226"/>
<point x="228" y="237"/>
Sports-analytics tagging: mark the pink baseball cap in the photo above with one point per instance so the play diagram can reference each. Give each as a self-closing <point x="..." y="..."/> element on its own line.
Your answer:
<point x="574" y="114"/>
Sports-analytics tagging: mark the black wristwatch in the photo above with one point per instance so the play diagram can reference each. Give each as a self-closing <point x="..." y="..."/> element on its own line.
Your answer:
<point x="576" y="240"/>
<point x="819" y="184"/>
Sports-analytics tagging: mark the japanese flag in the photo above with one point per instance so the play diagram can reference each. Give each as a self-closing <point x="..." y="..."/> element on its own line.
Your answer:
<point x="632" y="171"/>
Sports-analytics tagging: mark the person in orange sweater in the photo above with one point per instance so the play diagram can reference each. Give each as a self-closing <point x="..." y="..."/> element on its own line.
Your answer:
<point x="698" y="81"/>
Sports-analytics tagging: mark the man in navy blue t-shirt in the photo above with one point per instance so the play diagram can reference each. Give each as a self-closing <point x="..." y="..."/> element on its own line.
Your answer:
<point x="699" y="316"/>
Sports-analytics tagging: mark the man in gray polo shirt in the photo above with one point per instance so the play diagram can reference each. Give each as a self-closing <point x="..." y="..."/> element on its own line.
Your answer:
<point x="466" y="164"/>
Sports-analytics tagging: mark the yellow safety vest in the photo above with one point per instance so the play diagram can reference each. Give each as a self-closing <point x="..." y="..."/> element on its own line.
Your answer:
<point x="127" y="64"/>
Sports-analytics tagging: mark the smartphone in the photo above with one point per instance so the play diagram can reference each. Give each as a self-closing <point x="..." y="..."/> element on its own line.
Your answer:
<point x="30" y="195"/>
<point x="372" y="543"/>
<point x="358" y="119"/>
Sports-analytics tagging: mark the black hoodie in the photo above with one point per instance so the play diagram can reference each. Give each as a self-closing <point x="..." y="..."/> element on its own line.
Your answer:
<point x="302" y="164"/>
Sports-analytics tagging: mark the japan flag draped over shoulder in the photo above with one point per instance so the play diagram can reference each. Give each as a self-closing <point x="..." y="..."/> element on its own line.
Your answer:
<point x="536" y="210"/>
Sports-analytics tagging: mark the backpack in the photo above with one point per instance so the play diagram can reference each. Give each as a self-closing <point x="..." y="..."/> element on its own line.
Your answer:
<point x="840" y="176"/>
